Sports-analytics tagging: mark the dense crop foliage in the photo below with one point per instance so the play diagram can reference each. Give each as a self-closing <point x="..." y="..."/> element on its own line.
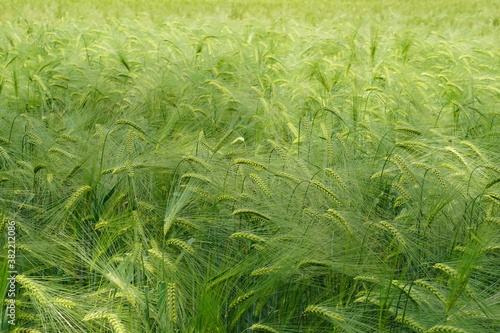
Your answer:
<point x="260" y="168"/>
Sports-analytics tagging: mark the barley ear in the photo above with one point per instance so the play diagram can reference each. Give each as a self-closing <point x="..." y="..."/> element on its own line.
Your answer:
<point x="77" y="195"/>
<point x="262" y="328"/>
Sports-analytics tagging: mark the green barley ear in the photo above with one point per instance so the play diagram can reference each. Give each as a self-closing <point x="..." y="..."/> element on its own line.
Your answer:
<point x="125" y="288"/>
<point x="130" y="123"/>
<point x="395" y="232"/>
<point x="458" y="156"/>
<point x="185" y="223"/>
<point x="492" y="182"/>
<point x="225" y="197"/>
<point x="250" y="212"/>
<point x="199" y="191"/>
<point x="67" y="303"/>
<point x="247" y="235"/>
<point x="241" y="299"/>
<point x="130" y="138"/>
<point x="326" y="190"/>
<point x="439" y="177"/>
<point x="495" y="197"/>
<point x="329" y="144"/>
<point x="202" y="141"/>
<point x="62" y="152"/>
<point x="451" y="272"/>
<point x="262" y="328"/>
<point x="116" y="323"/>
<point x="164" y="257"/>
<point x="114" y="320"/>
<point x="198" y="161"/>
<point x="287" y="176"/>
<point x="25" y="165"/>
<point x="337" y="178"/>
<point x="281" y="151"/>
<point x="4" y="154"/>
<point x="336" y="217"/>
<point x="341" y="139"/>
<point x="403" y="166"/>
<point x="407" y="130"/>
<point x="196" y="176"/>
<point x="322" y="311"/>
<point x="475" y="149"/>
<point x="34" y="289"/>
<point x="33" y="138"/>
<point x="77" y="195"/>
<point x="312" y="262"/>
<point x="25" y="330"/>
<point x="246" y="161"/>
<point x="401" y="190"/>
<point x="412" y="323"/>
<point x="260" y="182"/>
<point x="430" y="287"/>
<point x="445" y="329"/>
<point x="172" y="302"/>
<point x="414" y="147"/>
<point x="265" y="271"/>
<point x="39" y="167"/>
<point x="493" y="220"/>
<point x="180" y="244"/>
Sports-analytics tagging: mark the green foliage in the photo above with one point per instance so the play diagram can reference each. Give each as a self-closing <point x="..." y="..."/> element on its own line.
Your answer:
<point x="265" y="168"/>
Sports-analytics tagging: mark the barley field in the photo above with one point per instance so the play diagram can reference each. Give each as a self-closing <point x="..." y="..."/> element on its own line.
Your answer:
<point x="249" y="166"/>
